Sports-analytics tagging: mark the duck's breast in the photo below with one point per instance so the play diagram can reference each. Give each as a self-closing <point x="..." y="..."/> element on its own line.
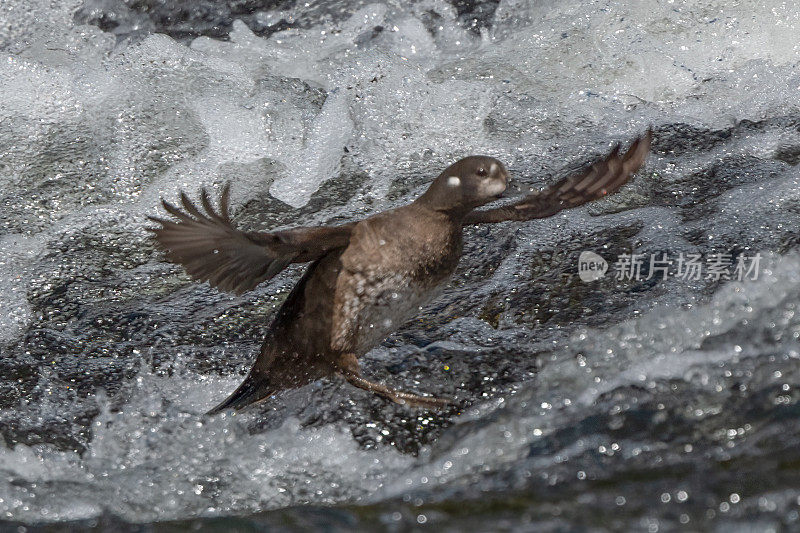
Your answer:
<point x="388" y="275"/>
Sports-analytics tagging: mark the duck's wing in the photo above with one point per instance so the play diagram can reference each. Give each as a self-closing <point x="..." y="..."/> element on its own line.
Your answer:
<point x="603" y="178"/>
<point x="211" y="249"/>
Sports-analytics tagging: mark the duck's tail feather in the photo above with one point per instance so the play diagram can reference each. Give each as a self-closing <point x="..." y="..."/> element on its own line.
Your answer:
<point x="252" y="390"/>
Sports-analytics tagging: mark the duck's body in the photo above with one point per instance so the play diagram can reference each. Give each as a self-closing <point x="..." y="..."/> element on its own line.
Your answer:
<point x="387" y="275"/>
<point x="367" y="278"/>
<point x="352" y="298"/>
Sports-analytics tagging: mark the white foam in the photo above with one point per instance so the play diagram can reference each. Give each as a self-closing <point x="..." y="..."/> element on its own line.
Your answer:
<point x="17" y="252"/>
<point x="146" y="464"/>
<point x="319" y="160"/>
<point x="147" y="119"/>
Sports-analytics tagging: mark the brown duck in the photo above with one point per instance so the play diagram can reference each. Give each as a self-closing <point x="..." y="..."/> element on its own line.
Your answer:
<point x="366" y="278"/>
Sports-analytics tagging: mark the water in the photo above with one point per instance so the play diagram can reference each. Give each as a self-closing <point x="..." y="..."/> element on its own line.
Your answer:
<point x="617" y="404"/>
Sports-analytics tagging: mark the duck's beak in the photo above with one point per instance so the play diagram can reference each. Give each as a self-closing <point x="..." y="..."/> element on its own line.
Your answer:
<point x="515" y="188"/>
<point x="508" y="183"/>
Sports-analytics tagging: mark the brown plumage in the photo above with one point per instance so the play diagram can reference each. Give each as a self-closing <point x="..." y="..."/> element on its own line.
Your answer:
<point x="368" y="277"/>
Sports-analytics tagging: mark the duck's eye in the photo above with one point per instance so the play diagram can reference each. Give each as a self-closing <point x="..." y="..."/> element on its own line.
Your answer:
<point x="481" y="172"/>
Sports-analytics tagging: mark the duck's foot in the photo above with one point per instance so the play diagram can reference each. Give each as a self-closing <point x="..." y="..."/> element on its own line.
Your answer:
<point x="350" y="370"/>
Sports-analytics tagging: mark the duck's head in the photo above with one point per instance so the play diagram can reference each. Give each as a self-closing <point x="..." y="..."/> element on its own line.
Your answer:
<point x="466" y="184"/>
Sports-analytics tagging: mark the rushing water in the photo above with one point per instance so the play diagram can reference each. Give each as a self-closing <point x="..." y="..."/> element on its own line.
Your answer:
<point x="647" y="404"/>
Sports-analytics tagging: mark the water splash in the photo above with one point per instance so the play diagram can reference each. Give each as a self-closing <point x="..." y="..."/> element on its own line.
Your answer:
<point x="568" y="391"/>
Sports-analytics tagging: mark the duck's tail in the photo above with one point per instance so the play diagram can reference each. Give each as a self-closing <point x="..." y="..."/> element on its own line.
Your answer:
<point x="253" y="389"/>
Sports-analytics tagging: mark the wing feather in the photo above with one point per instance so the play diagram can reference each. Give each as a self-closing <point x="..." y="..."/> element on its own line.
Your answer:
<point x="602" y="178"/>
<point x="205" y="242"/>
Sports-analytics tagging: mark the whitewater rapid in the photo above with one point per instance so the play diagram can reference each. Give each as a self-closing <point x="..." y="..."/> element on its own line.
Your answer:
<point x="110" y="356"/>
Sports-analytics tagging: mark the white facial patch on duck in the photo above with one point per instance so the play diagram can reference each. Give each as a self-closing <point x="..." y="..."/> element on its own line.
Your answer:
<point x="453" y="181"/>
<point x="492" y="187"/>
<point x="492" y="169"/>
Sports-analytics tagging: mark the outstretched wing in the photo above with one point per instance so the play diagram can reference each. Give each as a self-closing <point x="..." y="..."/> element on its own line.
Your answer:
<point x="603" y="178"/>
<point x="211" y="249"/>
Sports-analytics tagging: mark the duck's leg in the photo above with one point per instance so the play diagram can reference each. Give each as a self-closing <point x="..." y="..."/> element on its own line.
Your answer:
<point x="349" y="369"/>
